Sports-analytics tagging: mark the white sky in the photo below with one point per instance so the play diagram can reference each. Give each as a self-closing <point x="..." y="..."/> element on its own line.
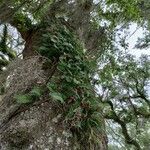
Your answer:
<point x="136" y="32"/>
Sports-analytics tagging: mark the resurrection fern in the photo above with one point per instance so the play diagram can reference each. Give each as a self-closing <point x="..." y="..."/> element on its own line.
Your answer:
<point x="72" y="86"/>
<point x="30" y="97"/>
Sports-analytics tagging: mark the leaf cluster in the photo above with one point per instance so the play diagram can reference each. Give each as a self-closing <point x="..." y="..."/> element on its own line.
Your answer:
<point x="72" y="87"/>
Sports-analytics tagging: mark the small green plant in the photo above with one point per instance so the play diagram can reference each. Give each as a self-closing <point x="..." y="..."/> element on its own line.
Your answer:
<point x="57" y="96"/>
<point x="30" y="97"/>
<point x="23" y="98"/>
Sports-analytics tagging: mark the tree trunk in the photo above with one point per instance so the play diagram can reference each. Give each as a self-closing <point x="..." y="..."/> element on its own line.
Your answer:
<point x="36" y="126"/>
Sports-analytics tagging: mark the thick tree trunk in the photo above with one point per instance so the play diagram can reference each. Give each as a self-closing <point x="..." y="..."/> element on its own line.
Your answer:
<point x="37" y="126"/>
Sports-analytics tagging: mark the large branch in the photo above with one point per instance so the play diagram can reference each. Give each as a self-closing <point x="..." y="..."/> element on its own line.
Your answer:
<point x="116" y="118"/>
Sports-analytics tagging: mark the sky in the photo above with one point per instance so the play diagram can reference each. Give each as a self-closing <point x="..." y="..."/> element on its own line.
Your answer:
<point x="136" y="32"/>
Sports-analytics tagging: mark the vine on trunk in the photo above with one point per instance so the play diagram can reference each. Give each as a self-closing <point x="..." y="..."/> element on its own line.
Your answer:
<point x="70" y="87"/>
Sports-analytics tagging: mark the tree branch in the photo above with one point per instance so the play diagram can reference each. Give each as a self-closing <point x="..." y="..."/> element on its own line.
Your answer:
<point x="116" y="118"/>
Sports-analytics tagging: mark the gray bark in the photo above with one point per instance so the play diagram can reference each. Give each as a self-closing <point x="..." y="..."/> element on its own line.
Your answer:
<point x="35" y="126"/>
<point x="40" y="125"/>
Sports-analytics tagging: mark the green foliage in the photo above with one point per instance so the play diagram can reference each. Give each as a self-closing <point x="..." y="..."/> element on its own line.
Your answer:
<point x="72" y="86"/>
<point x="124" y="82"/>
<point x="23" y="99"/>
<point x="36" y="92"/>
<point x="23" y="22"/>
<point x="30" y="97"/>
<point x="57" y="41"/>
<point x="57" y="96"/>
<point x="2" y="90"/>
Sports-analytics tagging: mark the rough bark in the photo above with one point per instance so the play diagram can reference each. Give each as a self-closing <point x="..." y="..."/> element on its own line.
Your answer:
<point x="35" y="126"/>
<point x="40" y="126"/>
